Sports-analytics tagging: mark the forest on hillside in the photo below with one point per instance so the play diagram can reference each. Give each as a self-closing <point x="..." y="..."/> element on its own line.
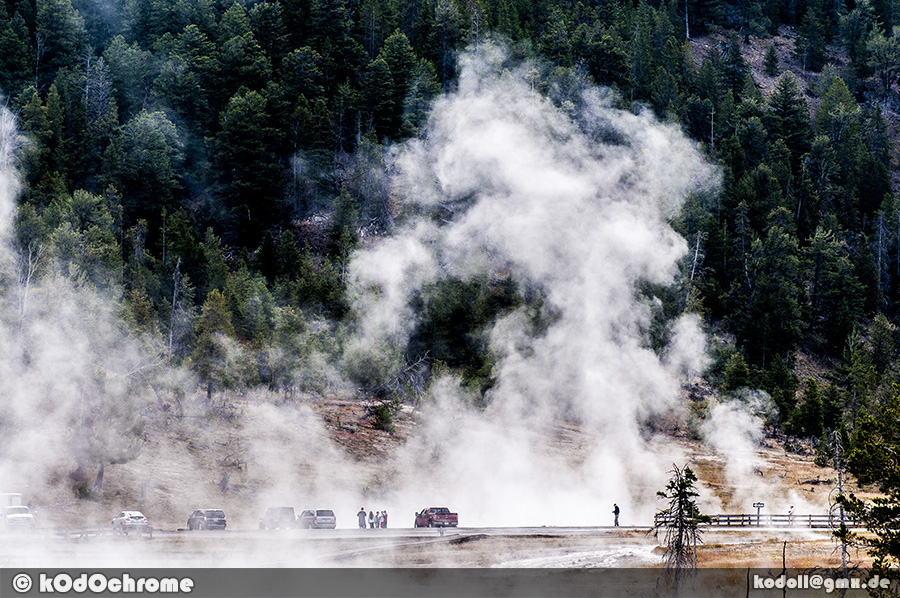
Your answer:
<point x="213" y="164"/>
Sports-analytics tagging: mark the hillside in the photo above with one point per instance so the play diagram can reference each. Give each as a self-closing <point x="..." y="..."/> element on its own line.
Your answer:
<point x="328" y="454"/>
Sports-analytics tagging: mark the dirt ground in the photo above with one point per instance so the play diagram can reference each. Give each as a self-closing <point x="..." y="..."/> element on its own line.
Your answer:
<point x="572" y="548"/>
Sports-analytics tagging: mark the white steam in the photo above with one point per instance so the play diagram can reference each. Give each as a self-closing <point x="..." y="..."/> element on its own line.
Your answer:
<point x="9" y="182"/>
<point x="734" y="430"/>
<point x="576" y="207"/>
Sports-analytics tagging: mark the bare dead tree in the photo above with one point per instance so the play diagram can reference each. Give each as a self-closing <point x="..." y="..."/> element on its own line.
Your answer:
<point x="839" y="463"/>
<point x="177" y="278"/>
<point x="40" y="48"/>
<point x="412" y="376"/>
<point x="29" y="261"/>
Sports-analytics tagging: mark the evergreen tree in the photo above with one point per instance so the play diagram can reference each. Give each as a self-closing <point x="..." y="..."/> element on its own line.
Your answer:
<point x="873" y="460"/>
<point x="734" y="68"/>
<point x="766" y="310"/>
<point x="132" y="71"/>
<point x="812" y="37"/>
<point x="398" y="54"/>
<point x="737" y="373"/>
<point x="187" y="79"/>
<point x="770" y="62"/>
<point x="808" y="418"/>
<point x="241" y="61"/>
<point x="855" y="28"/>
<point x="883" y="344"/>
<point x="423" y="88"/>
<point x="144" y="163"/>
<point x="15" y="52"/>
<point x="210" y="357"/>
<point x="781" y="384"/>
<point x="835" y="295"/>
<point x="378" y="89"/>
<point x="60" y="38"/>
<point x="789" y="117"/>
<point x="884" y="58"/>
<point x="301" y="73"/>
<point x="246" y="164"/>
<point x="682" y="519"/>
<point x="268" y="28"/>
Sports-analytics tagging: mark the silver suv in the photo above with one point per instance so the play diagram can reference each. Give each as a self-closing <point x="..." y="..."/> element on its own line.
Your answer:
<point x="278" y="517"/>
<point x="318" y="519"/>
<point x="18" y="517"/>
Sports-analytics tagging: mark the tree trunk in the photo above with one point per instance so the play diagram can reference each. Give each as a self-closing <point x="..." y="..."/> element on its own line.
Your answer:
<point x="98" y="481"/>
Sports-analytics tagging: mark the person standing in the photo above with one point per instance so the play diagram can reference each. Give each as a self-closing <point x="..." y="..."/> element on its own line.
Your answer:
<point x="616" y="514"/>
<point x="362" y="518"/>
<point x="384" y="519"/>
<point x="378" y="520"/>
<point x="371" y="520"/>
<point x="791" y="515"/>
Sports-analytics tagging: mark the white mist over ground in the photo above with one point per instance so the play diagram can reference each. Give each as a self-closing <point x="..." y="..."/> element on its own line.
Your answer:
<point x="574" y="203"/>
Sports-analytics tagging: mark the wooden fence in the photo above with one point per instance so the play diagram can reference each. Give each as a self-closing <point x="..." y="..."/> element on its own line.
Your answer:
<point x="825" y="521"/>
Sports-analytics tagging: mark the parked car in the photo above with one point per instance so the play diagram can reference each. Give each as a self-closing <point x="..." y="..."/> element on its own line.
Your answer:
<point x="128" y="521"/>
<point x="207" y="519"/>
<point x="317" y="519"/>
<point x="18" y="517"/>
<point x="278" y="517"/>
<point x="436" y="517"/>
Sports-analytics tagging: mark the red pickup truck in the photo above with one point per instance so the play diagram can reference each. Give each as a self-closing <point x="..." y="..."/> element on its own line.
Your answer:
<point x="436" y="517"/>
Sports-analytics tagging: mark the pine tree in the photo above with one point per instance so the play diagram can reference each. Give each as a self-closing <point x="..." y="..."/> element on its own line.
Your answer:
<point x="210" y="356"/>
<point x="15" y="53"/>
<point x="770" y="62"/>
<point x="874" y="460"/>
<point x="810" y="45"/>
<point x="883" y="344"/>
<point x="245" y="162"/>
<point x="884" y="58"/>
<point x="378" y="87"/>
<point x="789" y="117"/>
<point x="398" y="54"/>
<point x="808" y="419"/>
<point x="835" y="295"/>
<point x="733" y="67"/>
<point x="681" y="520"/>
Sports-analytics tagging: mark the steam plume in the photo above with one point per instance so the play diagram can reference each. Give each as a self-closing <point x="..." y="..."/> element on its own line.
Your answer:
<point x="571" y="199"/>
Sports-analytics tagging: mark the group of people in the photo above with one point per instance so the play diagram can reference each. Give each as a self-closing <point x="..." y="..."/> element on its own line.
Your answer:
<point x="377" y="519"/>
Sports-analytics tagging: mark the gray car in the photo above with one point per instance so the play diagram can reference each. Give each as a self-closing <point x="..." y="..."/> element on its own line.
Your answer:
<point x="318" y="519"/>
<point x="207" y="519"/>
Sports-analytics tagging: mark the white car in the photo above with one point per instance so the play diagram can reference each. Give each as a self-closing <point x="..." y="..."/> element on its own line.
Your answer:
<point x="130" y="521"/>
<point x="18" y="517"/>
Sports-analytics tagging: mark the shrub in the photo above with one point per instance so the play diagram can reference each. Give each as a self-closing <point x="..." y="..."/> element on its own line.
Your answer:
<point x="384" y="419"/>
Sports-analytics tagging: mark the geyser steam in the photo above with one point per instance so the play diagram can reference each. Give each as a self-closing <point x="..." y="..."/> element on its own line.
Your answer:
<point x="570" y="198"/>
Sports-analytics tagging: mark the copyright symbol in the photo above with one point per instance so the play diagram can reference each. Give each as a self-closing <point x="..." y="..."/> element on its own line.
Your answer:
<point x="21" y="583"/>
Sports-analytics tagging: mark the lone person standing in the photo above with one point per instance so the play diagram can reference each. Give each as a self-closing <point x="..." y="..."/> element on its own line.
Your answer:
<point x="616" y="513"/>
